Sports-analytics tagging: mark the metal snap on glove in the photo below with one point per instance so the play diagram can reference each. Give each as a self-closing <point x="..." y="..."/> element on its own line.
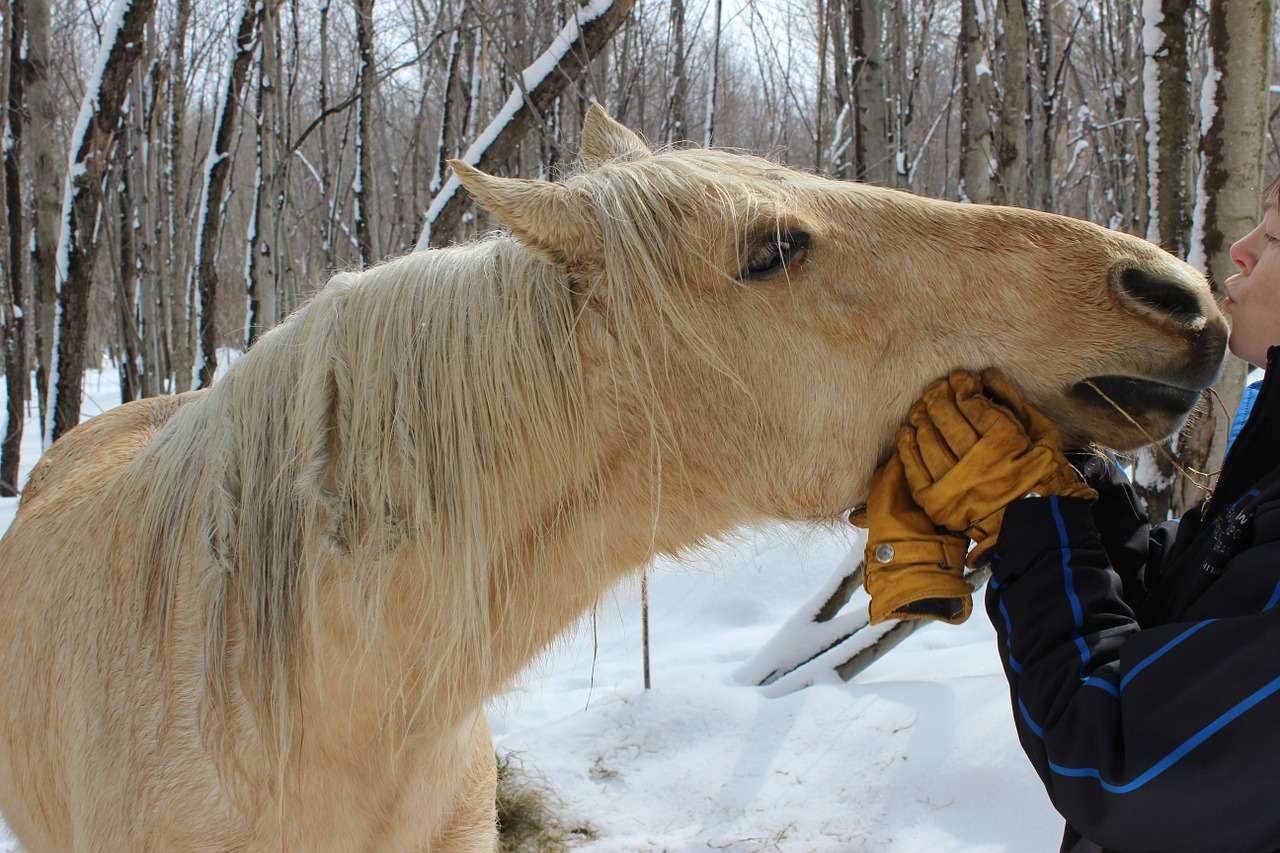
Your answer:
<point x="913" y="570"/>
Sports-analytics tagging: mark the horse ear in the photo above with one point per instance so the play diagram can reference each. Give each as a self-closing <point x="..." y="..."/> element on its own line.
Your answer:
<point x="555" y="220"/>
<point x="604" y="139"/>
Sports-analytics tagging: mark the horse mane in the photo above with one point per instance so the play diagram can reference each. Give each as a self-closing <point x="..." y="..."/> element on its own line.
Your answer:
<point x="423" y="408"/>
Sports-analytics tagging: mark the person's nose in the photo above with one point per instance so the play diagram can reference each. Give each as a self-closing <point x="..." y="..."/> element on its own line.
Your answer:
<point x="1244" y="253"/>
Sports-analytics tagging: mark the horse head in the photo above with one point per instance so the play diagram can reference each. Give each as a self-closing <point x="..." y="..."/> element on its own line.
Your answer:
<point x="790" y="320"/>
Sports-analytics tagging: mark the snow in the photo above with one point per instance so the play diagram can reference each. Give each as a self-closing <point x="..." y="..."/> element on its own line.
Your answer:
<point x="1152" y="43"/>
<point x="916" y="755"/>
<point x="530" y="78"/>
<point x="1147" y="471"/>
<point x="1208" y="112"/>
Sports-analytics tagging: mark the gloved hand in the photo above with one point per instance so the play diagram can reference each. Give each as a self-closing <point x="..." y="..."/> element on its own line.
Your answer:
<point x="913" y="571"/>
<point x="972" y="447"/>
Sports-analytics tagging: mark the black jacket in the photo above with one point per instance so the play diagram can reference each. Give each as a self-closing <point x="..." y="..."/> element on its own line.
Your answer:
<point x="1144" y="662"/>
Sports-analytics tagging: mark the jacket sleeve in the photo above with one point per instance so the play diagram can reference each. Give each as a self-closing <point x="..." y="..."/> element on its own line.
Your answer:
<point x="1135" y="547"/>
<point x="1160" y="739"/>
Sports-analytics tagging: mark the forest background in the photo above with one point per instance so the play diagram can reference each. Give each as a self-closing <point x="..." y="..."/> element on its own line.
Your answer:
<point x="178" y="175"/>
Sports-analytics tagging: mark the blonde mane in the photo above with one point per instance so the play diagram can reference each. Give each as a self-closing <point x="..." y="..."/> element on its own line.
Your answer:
<point x="422" y="409"/>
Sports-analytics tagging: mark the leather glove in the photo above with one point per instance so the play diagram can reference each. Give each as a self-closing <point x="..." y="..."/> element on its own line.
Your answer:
<point x="913" y="570"/>
<point x="973" y="446"/>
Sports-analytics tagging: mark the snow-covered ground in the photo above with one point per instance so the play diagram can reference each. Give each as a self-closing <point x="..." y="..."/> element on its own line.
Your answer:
<point x="916" y="755"/>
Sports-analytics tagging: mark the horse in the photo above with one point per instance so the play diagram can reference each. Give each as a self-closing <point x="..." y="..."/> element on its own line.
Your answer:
<point x="268" y="615"/>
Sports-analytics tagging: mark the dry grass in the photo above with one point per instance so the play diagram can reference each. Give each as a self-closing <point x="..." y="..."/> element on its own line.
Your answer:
<point x="527" y="821"/>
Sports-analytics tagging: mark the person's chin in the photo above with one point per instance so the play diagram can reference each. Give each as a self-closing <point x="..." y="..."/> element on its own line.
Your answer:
<point x="1241" y="350"/>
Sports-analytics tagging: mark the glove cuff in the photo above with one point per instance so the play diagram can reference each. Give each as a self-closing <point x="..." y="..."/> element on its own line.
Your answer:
<point x="922" y="593"/>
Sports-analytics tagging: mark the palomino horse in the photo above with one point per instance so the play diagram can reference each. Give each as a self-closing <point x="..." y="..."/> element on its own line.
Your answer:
<point x="268" y="616"/>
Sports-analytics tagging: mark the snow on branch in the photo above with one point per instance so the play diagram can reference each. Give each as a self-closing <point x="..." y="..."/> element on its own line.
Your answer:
<point x="573" y="48"/>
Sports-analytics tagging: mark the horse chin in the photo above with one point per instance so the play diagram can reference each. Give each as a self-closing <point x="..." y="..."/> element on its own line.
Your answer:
<point x="1124" y="412"/>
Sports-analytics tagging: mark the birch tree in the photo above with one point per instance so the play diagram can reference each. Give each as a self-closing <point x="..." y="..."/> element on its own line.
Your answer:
<point x="1229" y="196"/>
<point x="366" y="251"/>
<point x="1011" y="133"/>
<point x="16" y="305"/>
<point x="676" y="103"/>
<point x="713" y="84"/>
<point x="1166" y="87"/>
<point x="46" y="163"/>
<point x="92" y="142"/>
<point x="976" y="155"/>
<point x="177" y="320"/>
<point x="875" y="162"/>
<point x="217" y="169"/>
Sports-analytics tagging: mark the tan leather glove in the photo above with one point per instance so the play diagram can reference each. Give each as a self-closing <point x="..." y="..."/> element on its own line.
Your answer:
<point x="913" y="570"/>
<point x="973" y="446"/>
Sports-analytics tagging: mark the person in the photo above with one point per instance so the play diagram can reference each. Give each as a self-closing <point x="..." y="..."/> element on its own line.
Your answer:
<point x="1143" y="660"/>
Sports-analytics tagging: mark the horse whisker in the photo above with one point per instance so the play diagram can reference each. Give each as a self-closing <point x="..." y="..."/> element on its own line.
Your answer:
<point x="1182" y="469"/>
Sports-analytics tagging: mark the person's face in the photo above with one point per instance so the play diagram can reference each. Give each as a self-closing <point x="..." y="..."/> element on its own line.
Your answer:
<point x="1253" y="294"/>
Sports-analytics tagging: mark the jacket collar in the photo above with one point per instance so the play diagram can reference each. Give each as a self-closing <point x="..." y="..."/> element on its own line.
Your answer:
<point x="1256" y="452"/>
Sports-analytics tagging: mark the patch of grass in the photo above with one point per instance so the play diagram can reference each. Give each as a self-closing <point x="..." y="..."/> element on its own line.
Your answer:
<point x="527" y="822"/>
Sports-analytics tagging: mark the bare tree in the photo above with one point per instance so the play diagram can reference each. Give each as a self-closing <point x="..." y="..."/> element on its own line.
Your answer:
<point x="92" y="142"/>
<point x="1228" y="201"/>
<point x="713" y="84"/>
<point x="875" y="161"/>
<point x="1167" y="98"/>
<point x="976" y="155"/>
<point x="17" y="303"/>
<point x="46" y="163"/>
<point x="177" y="295"/>
<point x="1167" y="101"/>
<point x="1011" y="132"/>
<point x="217" y="168"/>
<point x="366" y="251"/>
<point x="679" y="94"/>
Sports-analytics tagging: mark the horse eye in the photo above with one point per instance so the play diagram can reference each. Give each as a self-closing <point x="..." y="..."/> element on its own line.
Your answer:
<point x="774" y="253"/>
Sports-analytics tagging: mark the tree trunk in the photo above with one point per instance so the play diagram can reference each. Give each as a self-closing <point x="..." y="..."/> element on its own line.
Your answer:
<point x="842" y="90"/>
<point x="91" y="145"/>
<point x="975" y="118"/>
<point x="178" y="307"/>
<point x="17" y="375"/>
<point x="820" y="97"/>
<point x="713" y="84"/>
<point x="1011" y="135"/>
<point x="1167" y="102"/>
<point x="1229" y="200"/>
<point x="217" y="169"/>
<point x="873" y="102"/>
<point x="257" y="249"/>
<point x="1167" y="97"/>
<point x="127" y="297"/>
<point x="1048" y="102"/>
<point x="444" y="149"/>
<point x="676" y="106"/>
<point x="366" y="251"/>
<point x="49" y="165"/>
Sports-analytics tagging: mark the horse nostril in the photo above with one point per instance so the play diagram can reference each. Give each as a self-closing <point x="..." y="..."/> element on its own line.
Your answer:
<point x="1167" y="296"/>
